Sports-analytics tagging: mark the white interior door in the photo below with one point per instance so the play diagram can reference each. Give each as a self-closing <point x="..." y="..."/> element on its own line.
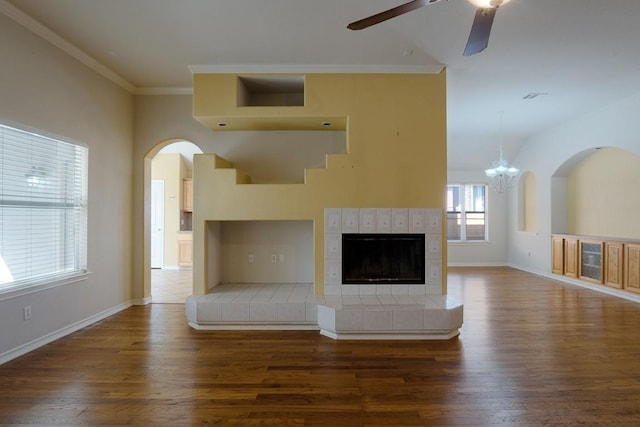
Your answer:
<point x="157" y="223"/>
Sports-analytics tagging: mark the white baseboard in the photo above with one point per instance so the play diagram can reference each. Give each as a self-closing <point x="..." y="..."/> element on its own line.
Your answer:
<point x="46" y="339"/>
<point x="592" y="286"/>
<point x="477" y="264"/>
<point x="141" y="301"/>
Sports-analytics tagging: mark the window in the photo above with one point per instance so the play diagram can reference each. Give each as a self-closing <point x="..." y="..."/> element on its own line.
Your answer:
<point x="43" y="209"/>
<point x="466" y="212"/>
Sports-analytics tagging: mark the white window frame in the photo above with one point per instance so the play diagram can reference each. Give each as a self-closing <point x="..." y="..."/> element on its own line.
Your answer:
<point x="36" y="182"/>
<point x="463" y="216"/>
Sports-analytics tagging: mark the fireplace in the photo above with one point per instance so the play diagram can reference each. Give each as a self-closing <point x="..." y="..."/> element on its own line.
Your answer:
<point x="381" y="258"/>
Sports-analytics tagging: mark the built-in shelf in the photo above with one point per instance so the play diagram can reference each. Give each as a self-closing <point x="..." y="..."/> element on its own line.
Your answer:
<point x="270" y="91"/>
<point x="612" y="262"/>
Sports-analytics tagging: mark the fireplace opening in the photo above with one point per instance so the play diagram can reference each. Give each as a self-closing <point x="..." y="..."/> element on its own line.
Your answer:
<point x="383" y="258"/>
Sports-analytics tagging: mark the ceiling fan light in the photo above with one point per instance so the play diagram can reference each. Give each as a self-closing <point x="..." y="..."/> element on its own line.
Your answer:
<point x="485" y="4"/>
<point x="491" y="172"/>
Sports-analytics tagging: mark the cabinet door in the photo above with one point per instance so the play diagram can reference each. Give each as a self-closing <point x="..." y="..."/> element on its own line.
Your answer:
<point x="187" y="194"/>
<point x="590" y="261"/>
<point x="185" y="253"/>
<point x="613" y="262"/>
<point x="632" y="267"/>
<point x="571" y="257"/>
<point x="557" y="255"/>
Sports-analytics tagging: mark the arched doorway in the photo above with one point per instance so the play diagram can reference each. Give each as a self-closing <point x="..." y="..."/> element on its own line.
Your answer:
<point x="168" y="170"/>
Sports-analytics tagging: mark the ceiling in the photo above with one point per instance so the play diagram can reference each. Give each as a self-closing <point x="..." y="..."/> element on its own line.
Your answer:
<point x="577" y="54"/>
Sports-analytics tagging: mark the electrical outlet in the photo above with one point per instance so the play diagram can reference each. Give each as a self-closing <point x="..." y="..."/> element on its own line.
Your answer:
<point x="26" y="312"/>
<point x="274" y="258"/>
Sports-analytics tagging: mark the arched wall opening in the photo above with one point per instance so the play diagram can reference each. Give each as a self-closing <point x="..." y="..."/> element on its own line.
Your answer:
<point x="595" y="193"/>
<point x="182" y="150"/>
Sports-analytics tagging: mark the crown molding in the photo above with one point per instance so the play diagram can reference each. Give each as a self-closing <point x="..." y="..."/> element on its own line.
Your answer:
<point x="163" y="91"/>
<point x="316" y="68"/>
<point x="47" y="34"/>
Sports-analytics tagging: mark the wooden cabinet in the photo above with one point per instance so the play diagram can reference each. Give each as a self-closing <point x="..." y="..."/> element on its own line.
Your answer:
<point x="571" y="256"/>
<point x="591" y="260"/>
<point x="613" y="262"/>
<point x="187" y="195"/>
<point x="557" y="254"/>
<point x="632" y="267"/>
<point x="185" y="249"/>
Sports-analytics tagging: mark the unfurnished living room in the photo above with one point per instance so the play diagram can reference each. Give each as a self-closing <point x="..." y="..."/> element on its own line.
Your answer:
<point x="363" y="213"/>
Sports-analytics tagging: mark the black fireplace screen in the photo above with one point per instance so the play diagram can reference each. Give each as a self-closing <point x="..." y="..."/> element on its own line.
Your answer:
<point x="383" y="258"/>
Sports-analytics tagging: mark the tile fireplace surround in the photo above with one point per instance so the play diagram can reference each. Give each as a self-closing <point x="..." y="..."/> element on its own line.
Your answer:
<point x="386" y="311"/>
<point x="383" y="311"/>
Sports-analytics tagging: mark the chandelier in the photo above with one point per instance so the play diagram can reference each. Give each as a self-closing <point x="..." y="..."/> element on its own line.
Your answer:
<point x="502" y="176"/>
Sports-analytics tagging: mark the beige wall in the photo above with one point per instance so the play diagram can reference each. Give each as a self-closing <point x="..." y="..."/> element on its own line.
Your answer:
<point x="530" y="205"/>
<point x="247" y="248"/>
<point x="604" y="198"/>
<point x="170" y="168"/>
<point x="396" y="137"/>
<point x="43" y="89"/>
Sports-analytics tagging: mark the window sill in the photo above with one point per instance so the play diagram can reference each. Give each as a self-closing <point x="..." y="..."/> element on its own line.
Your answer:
<point x="9" y="292"/>
<point x="468" y="242"/>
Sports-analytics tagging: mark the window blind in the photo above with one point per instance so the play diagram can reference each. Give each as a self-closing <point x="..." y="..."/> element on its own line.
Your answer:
<point x="43" y="208"/>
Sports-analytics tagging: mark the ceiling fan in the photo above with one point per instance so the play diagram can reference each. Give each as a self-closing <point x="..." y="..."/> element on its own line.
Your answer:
<point x="480" y="29"/>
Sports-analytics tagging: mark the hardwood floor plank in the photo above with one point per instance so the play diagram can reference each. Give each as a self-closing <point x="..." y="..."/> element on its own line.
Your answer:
<point x="532" y="351"/>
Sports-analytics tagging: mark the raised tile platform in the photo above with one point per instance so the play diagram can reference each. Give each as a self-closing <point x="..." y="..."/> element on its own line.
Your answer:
<point x="294" y="307"/>
<point x="426" y="317"/>
<point x="254" y="306"/>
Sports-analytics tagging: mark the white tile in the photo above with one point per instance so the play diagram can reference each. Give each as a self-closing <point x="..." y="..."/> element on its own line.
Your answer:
<point x="408" y="319"/>
<point x="333" y="220"/>
<point x="383" y="220"/>
<point x="400" y="289"/>
<point x="417" y="220"/>
<point x="367" y="223"/>
<point x="349" y="319"/>
<point x="434" y="246"/>
<point x="263" y="311"/>
<point x="383" y="289"/>
<point x="333" y="301"/>
<point x="333" y="246"/>
<point x="434" y="289"/>
<point x="370" y="300"/>
<point x="292" y="312"/>
<point x="399" y="220"/>
<point x="279" y="297"/>
<point x="367" y="289"/>
<point x="311" y="312"/>
<point x="416" y="289"/>
<point x="350" y="290"/>
<point x="237" y="312"/>
<point x="434" y="271"/>
<point x="265" y="294"/>
<point x="333" y="271"/>
<point x="332" y="289"/>
<point x="437" y="319"/>
<point x="351" y="300"/>
<point x="434" y="220"/>
<point x="377" y="320"/>
<point x="350" y="220"/>
<point x="387" y="299"/>
<point x="209" y="312"/>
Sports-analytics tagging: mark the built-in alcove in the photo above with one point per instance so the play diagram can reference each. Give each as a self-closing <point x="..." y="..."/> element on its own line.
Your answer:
<point x="271" y="91"/>
<point x="260" y="252"/>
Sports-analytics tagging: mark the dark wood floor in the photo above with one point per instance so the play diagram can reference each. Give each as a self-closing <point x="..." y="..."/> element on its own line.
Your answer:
<point x="532" y="352"/>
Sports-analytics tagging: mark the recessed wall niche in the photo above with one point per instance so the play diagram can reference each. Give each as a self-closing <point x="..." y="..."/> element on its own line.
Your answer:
<point x="270" y="91"/>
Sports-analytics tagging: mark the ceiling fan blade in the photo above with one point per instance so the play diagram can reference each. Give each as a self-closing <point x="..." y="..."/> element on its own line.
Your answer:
<point x="388" y="14"/>
<point x="480" y="31"/>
